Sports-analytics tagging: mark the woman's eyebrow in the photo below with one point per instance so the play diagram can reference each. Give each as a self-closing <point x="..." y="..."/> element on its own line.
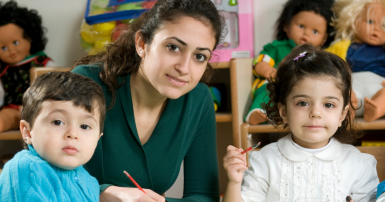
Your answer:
<point x="185" y="44"/>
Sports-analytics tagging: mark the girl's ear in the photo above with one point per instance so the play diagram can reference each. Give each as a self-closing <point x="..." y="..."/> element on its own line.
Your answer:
<point x="343" y="115"/>
<point x="26" y="131"/>
<point x="139" y="44"/>
<point x="282" y="112"/>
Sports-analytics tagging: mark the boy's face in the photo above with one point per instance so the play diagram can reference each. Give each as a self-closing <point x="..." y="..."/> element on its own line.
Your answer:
<point x="307" y="27"/>
<point x="65" y="135"/>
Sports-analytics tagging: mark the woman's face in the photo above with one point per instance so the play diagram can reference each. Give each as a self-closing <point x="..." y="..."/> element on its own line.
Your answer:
<point x="370" y="28"/>
<point x="177" y="57"/>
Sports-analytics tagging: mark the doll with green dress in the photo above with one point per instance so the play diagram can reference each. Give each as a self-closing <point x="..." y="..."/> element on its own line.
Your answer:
<point x="22" y="42"/>
<point x="360" y="40"/>
<point x="301" y="21"/>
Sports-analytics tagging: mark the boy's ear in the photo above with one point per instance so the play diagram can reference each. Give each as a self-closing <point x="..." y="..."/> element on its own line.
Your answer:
<point x="282" y="112"/>
<point x="101" y="134"/>
<point x="25" y="129"/>
<point x="343" y="115"/>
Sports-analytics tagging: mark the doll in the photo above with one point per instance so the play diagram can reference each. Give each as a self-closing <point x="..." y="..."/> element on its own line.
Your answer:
<point x="360" y="40"/>
<point x="22" y="42"/>
<point x="301" y="21"/>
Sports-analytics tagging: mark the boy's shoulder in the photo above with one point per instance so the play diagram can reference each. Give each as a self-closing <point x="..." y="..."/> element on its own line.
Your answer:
<point x="25" y="162"/>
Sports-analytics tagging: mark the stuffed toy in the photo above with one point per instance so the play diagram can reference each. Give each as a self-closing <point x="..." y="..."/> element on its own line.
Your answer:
<point x="301" y="21"/>
<point x="22" y="42"/>
<point x="360" y="40"/>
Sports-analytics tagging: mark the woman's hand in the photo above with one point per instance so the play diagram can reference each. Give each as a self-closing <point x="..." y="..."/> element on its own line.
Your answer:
<point x="121" y="194"/>
<point x="235" y="164"/>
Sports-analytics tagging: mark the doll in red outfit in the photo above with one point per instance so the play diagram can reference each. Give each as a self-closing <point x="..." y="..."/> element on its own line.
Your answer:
<point x="22" y="42"/>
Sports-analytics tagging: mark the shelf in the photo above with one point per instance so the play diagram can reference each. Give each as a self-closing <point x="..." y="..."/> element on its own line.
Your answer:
<point x="10" y="135"/>
<point x="223" y="117"/>
<point x="361" y="124"/>
<point x="220" y="65"/>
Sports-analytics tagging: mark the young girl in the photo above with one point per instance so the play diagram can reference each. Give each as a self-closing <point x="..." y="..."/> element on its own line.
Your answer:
<point x="311" y="96"/>
<point x="360" y="41"/>
<point x="301" y="21"/>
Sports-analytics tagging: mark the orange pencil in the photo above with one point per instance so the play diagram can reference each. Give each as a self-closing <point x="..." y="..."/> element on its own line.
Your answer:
<point x="250" y="148"/>
<point x="132" y="179"/>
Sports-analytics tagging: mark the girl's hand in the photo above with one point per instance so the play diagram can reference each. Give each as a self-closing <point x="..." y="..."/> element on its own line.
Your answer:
<point x="125" y="194"/>
<point x="235" y="164"/>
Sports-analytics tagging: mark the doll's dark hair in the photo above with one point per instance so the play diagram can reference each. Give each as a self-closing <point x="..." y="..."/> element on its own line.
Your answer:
<point x="63" y="86"/>
<point x="293" y="7"/>
<point x="28" y="20"/>
<point x="316" y="63"/>
<point x="121" y="58"/>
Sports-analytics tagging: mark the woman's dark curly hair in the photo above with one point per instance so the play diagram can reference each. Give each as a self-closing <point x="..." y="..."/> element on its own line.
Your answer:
<point x="316" y="63"/>
<point x="28" y="20"/>
<point x="293" y="7"/>
<point x="121" y="58"/>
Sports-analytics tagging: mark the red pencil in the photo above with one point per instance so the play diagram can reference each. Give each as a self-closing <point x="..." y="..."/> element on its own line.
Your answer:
<point x="250" y="148"/>
<point x="132" y="179"/>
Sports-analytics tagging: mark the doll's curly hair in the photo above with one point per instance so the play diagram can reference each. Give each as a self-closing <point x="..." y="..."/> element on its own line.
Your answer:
<point x="347" y="12"/>
<point x="315" y="64"/>
<point x="28" y="20"/>
<point x="293" y="7"/>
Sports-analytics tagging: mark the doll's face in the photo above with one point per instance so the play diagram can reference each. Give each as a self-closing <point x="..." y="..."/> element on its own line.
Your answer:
<point x="369" y="26"/>
<point x="307" y="27"/>
<point x="13" y="46"/>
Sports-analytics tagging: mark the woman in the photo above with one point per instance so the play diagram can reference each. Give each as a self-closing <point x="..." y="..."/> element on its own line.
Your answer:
<point x="159" y="114"/>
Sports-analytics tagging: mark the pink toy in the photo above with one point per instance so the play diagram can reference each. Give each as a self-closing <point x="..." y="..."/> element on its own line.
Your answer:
<point x="240" y="30"/>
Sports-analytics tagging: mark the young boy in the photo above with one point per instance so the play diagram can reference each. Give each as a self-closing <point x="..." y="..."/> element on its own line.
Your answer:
<point x="61" y="122"/>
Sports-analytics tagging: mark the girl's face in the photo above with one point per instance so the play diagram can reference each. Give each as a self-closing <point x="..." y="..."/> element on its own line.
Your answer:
<point x="175" y="61"/>
<point x="13" y="46"/>
<point x="307" y="27"/>
<point x="314" y="110"/>
<point x="369" y="26"/>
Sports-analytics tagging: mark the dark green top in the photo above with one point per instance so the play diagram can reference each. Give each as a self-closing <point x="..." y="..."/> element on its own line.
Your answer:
<point x="185" y="131"/>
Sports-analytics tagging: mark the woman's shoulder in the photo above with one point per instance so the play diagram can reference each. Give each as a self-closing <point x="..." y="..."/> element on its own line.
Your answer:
<point x="92" y="70"/>
<point x="201" y="91"/>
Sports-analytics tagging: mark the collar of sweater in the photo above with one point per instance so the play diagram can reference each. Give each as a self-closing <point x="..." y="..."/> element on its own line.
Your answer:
<point x="291" y="152"/>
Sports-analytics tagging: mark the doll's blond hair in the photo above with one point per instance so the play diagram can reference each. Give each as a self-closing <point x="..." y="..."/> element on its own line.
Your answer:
<point x="346" y="13"/>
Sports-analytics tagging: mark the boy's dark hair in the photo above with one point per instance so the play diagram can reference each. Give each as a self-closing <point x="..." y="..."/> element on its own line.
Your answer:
<point x="63" y="86"/>
<point x="28" y="20"/>
<point x="293" y="7"/>
<point x="316" y="63"/>
<point x="121" y="58"/>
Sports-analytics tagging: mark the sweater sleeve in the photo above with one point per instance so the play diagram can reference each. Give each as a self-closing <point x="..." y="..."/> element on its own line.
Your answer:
<point x="200" y="163"/>
<point x="255" y="182"/>
<point x="23" y="181"/>
<point x="365" y="187"/>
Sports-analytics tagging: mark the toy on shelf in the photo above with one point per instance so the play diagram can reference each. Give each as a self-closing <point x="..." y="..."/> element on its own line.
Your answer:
<point x="105" y="16"/>
<point x="22" y="42"/>
<point x="238" y="43"/>
<point x="301" y="21"/>
<point x="360" y="40"/>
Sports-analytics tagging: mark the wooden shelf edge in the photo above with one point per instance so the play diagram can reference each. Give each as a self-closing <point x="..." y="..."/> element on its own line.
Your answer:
<point x="223" y="117"/>
<point x="11" y="135"/>
<point x="220" y="65"/>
